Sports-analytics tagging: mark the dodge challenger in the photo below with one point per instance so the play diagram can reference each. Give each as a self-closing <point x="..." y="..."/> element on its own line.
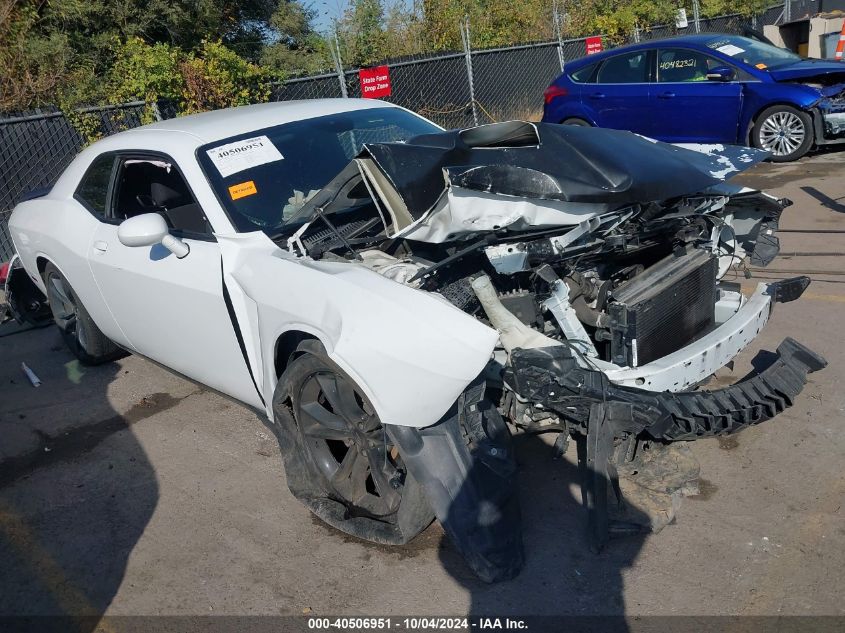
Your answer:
<point x="395" y="299"/>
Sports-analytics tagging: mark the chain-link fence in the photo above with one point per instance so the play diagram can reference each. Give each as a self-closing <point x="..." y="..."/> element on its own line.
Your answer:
<point x="36" y="146"/>
<point x="455" y="90"/>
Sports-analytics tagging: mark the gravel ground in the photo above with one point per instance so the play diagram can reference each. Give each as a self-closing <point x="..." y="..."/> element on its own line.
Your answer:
<point x="127" y="490"/>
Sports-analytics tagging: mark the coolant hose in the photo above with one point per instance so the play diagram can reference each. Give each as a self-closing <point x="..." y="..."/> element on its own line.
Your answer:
<point x="513" y="333"/>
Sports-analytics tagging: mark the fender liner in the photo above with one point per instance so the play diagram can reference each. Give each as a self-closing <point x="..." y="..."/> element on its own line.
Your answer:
<point x="467" y="468"/>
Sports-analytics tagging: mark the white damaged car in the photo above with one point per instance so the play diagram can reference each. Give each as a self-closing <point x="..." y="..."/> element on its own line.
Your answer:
<point x="396" y="299"/>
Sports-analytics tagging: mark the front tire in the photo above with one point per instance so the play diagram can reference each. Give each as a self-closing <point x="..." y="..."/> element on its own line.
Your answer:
<point x="78" y="329"/>
<point x="339" y="459"/>
<point x="784" y="131"/>
<point x="576" y="122"/>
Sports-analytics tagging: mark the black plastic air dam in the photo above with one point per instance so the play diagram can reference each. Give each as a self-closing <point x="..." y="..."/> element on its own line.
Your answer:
<point x="552" y="377"/>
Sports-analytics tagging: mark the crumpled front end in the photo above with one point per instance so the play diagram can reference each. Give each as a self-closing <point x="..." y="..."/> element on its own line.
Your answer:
<point x="831" y="112"/>
<point x="605" y="245"/>
<point x="833" y="115"/>
<point x="604" y="261"/>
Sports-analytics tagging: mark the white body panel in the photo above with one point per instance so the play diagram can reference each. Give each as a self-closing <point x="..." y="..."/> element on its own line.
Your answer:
<point x="397" y="343"/>
<point x="172" y="310"/>
<point x="411" y="352"/>
<point x="462" y="211"/>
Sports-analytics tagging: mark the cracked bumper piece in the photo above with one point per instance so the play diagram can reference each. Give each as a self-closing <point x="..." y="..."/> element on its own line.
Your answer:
<point x="552" y="377"/>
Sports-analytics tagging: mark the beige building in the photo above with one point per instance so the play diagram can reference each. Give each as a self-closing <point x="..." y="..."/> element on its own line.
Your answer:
<point x="810" y="36"/>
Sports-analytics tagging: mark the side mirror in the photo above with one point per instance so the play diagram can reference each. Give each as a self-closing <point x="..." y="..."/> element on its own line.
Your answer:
<point x="721" y="73"/>
<point x="148" y="229"/>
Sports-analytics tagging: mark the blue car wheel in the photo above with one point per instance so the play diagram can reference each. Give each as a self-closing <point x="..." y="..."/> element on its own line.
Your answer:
<point x="784" y="131"/>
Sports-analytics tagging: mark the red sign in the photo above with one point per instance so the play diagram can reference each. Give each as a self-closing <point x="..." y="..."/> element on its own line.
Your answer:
<point x="594" y="45"/>
<point x="375" y="82"/>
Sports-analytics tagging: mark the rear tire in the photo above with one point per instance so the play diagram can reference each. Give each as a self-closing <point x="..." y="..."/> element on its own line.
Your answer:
<point x="78" y="329"/>
<point x="338" y="458"/>
<point x="784" y="131"/>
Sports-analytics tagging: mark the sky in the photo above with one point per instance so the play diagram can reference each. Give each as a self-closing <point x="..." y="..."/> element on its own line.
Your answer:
<point x="330" y="10"/>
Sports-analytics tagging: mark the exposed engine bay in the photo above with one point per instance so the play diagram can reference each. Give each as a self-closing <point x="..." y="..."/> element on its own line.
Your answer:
<point x="831" y="106"/>
<point x="621" y="264"/>
<point x="606" y="261"/>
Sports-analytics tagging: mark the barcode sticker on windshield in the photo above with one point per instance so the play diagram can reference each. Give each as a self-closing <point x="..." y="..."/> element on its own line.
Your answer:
<point x="730" y="49"/>
<point x="240" y="155"/>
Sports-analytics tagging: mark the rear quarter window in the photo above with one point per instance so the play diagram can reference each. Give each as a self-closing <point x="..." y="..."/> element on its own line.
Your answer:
<point x="93" y="189"/>
<point x="584" y="75"/>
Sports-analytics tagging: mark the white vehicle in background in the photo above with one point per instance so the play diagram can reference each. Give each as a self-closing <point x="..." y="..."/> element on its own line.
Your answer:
<point x="387" y="294"/>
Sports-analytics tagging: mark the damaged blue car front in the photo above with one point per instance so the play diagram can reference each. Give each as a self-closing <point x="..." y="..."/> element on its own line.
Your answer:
<point x="707" y="88"/>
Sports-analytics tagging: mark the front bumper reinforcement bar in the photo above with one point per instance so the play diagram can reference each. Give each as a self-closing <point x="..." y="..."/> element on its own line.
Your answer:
<point x="552" y="377"/>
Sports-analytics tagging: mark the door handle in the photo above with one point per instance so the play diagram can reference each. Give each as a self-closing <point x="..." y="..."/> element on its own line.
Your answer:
<point x="597" y="95"/>
<point x="101" y="246"/>
<point x="666" y="95"/>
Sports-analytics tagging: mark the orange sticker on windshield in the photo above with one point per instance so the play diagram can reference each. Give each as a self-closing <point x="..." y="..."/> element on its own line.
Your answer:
<point x="243" y="190"/>
<point x="761" y="66"/>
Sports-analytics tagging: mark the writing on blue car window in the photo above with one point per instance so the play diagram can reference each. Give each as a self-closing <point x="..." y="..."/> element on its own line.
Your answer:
<point x="752" y="52"/>
<point x="676" y="65"/>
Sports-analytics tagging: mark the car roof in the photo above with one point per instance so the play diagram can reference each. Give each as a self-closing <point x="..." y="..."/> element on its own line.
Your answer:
<point x="208" y="127"/>
<point x="698" y="39"/>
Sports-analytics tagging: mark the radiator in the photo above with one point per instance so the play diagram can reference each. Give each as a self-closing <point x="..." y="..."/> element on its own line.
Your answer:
<point x="668" y="306"/>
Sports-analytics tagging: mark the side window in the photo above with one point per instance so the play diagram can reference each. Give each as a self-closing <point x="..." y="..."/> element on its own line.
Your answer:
<point x="584" y="75"/>
<point x="154" y="185"/>
<point x="625" y="69"/>
<point x="93" y="189"/>
<point x="676" y="65"/>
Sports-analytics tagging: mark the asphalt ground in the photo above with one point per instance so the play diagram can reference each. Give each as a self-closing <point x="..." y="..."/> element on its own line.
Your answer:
<point x="127" y="490"/>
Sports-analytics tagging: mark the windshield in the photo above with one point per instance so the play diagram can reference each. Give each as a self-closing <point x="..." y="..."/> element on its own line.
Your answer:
<point x="753" y="52"/>
<point x="265" y="176"/>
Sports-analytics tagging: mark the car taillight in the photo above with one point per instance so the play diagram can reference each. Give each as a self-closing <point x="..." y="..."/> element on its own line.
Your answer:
<point x="4" y="273"/>
<point x="554" y="91"/>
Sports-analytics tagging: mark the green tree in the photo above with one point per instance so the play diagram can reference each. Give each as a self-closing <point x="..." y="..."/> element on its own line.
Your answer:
<point x="52" y="49"/>
<point x="33" y="60"/>
<point x="294" y="45"/>
<point x="211" y="77"/>
<point x="362" y="34"/>
<point x="727" y="7"/>
<point x="492" y="22"/>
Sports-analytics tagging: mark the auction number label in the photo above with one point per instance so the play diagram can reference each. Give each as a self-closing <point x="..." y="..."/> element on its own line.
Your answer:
<point x="240" y="155"/>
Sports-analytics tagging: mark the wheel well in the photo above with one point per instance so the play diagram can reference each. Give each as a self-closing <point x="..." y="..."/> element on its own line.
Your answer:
<point x="579" y="118"/>
<point x="286" y="350"/>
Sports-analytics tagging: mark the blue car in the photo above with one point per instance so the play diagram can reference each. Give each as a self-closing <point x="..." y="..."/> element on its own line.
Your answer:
<point x="706" y="88"/>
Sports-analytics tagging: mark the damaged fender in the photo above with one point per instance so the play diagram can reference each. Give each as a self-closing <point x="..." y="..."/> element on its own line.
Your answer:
<point x="363" y="320"/>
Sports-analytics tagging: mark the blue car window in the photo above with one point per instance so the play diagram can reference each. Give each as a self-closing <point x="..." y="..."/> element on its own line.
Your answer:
<point x="625" y="69"/>
<point x="584" y="75"/>
<point x="758" y="54"/>
<point x="675" y="65"/>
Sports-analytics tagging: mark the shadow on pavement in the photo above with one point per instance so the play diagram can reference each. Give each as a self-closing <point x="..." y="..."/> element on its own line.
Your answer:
<point x="75" y="494"/>
<point x="561" y="576"/>
<point x="829" y="203"/>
